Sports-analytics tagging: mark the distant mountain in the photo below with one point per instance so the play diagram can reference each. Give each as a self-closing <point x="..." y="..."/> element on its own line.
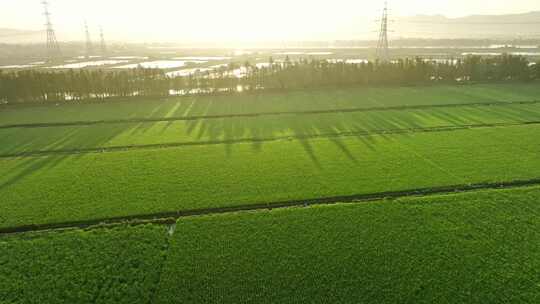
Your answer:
<point x="9" y="35"/>
<point x="512" y="26"/>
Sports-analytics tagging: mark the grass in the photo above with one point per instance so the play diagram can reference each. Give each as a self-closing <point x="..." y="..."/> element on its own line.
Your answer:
<point x="21" y="140"/>
<point x="70" y="188"/>
<point x="325" y="99"/>
<point x="479" y="247"/>
<point x="119" y="265"/>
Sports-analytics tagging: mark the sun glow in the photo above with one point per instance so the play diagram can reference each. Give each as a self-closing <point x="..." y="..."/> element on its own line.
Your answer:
<point x="236" y="20"/>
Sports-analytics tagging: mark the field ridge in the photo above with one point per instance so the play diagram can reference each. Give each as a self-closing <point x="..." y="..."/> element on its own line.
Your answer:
<point x="172" y="216"/>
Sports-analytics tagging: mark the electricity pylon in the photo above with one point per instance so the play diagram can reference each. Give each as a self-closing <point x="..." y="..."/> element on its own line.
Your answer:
<point x="89" y="46"/>
<point x="382" y="45"/>
<point x="103" y="44"/>
<point x="53" y="48"/>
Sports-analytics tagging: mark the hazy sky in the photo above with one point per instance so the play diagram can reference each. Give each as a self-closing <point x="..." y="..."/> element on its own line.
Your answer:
<point x="235" y="20"/>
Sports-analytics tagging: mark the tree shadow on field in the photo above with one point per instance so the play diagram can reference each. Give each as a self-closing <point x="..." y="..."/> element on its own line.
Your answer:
<point x="25" y="151"/>
<point x="352" y="134"/>
<point x="27" y="166"/>
<point x="43" y="149"/>
<point x="369" y="128"/>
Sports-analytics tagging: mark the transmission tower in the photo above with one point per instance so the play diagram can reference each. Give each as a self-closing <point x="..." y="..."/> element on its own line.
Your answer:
<point x="89" y="46"/>
<point x="382" y="46"/>
<point x="53" y="48"/>
<point x="103" y="44"/>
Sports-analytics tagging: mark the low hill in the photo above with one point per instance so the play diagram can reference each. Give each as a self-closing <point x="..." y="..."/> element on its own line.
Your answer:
<point x="526" y="25"/>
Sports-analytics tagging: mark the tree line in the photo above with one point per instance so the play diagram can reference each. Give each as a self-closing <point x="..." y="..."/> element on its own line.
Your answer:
<point x="31" y="86"/>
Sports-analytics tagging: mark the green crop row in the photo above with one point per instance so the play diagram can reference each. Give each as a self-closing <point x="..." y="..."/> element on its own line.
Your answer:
<point x="469" y="248"/>
<point x="327" y="99"/>
<point x="119" y="265"/>
<point x="40" y="190"/>
<point x="476" y="247"/>
<point x="19" y="140"/>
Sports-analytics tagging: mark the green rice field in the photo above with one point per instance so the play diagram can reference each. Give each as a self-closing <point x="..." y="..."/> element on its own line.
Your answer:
<point x="263" y="128"/>
<point x="434" y="197"/>
<point x="100" y="266"/>
<point x="447" y="249"/>
<point x="440" y="249"/>
<point x="301" y="101"/>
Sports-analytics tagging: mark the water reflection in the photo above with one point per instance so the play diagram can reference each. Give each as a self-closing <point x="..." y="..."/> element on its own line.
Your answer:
<point x="160" y="64"/>
<point x="202" y="58"/>
<point x="80" y="65"/>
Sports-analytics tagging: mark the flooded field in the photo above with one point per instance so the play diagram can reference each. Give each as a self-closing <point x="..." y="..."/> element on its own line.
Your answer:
<point x="88" y="57"/>
<point x="289" y="53"/>
<point x="320" y="53"/>
<point x="481" y="54"/>
<point x="16" y="66"/>
<point x="202" y="58"/>
<point x="305" y="53"/>
<point x="526" y="54"/>
<point x="130" y="57"/>
<point x="501" y="46"/>
<point x="81" y="65"/>
<point x="348" y="61"/>
<point x="160" y="64"/>
<point x="23" y="66"/>
<point x="179" y="61"/>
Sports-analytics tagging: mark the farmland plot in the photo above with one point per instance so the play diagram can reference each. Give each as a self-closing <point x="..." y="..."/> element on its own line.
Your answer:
<point x="443" y="249"/>
<point x="300" y="101"/>
<point x="116" y="265"/>
<point x="47" y="140"/>
<point x="40" y="190"/>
